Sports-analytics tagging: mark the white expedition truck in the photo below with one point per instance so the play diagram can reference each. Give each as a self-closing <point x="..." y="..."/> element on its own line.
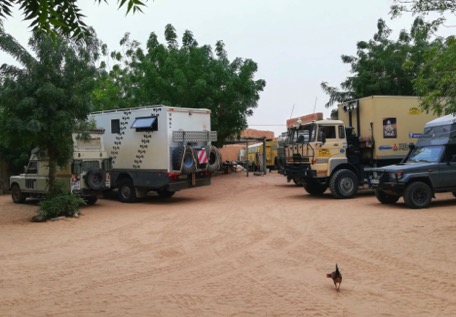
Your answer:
<point x="158" y="148"/>
<point x="87" y="174"/>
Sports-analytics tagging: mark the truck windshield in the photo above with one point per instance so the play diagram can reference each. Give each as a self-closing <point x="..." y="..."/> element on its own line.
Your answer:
<point x="302" y="134"/>
<point x="428" y="154"/>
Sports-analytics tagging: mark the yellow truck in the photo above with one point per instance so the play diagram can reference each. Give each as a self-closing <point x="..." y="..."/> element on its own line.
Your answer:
<point x="369" y="132"/>
<point x="255" y="155"/>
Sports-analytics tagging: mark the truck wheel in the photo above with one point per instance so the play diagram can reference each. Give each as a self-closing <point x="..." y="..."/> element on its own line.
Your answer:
<point x="315" y="188"/>
<point x="95" y="179"/>
<point x="343" y="184"/>
<point x="417" y="195"/>
<point x="164" y="193"/>
<point x="17" y="195"/>
<point x="385" y="198"/>
<point x="127" y="192"/>
<point x="91" y="200"/>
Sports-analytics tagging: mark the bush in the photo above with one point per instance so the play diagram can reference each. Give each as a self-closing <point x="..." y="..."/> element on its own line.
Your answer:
<point x="59" y="202"/>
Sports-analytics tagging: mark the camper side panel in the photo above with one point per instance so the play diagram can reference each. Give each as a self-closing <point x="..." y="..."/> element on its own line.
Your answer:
<point x="387" y="124"/>
<point x="135" y="148"/>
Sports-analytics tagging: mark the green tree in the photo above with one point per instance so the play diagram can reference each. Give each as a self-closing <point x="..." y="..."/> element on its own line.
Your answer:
<point x="422" y="6"/>
<point x="43" y="100"/>
<point x="435" y="82"/>
<point x="383" y="66"/>
<point x="186" y="75"/>
<point x="57" y="16"/>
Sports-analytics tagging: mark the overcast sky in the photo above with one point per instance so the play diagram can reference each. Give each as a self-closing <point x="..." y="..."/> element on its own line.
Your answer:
<point x="297" y="44"/>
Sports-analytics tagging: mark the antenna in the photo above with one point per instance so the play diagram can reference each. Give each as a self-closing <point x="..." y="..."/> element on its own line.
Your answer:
<point x="292" y="109"/>
<point x="315" y="104"/>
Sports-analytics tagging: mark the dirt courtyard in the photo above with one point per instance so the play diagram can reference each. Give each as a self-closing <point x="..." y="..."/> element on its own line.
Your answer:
<point x="244" y="246"/>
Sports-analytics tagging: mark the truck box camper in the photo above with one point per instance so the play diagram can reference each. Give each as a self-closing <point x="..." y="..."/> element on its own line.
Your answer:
<point x="158" y="148"/>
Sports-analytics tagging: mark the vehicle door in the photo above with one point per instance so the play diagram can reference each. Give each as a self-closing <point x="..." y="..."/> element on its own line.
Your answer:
<point x="331" y="143"/>
<point x="447" y="168"/>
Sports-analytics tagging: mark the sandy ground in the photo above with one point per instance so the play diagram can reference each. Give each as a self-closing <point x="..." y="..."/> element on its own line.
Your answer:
<point x="244" y="246"/>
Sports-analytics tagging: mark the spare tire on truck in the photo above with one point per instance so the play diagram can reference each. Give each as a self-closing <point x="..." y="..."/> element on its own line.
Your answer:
<point x="213" y="160"/>
<point x="95" y="179"/>
<point x="184" y="159"/>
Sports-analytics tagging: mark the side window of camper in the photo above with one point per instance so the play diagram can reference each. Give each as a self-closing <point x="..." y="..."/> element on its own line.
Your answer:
<point x="145" y="124"/>
<point x="115" y="126"/>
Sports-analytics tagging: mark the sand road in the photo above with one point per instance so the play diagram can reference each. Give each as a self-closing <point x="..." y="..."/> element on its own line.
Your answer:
<point x="244" y="246"/>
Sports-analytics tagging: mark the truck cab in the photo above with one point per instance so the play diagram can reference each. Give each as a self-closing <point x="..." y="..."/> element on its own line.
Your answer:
<point x="319" y="156"/>
<point x="429" y="168"/>
<point x="86" y="175"/>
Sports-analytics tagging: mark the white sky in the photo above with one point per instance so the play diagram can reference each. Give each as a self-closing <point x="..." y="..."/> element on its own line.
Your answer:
<point x="297" y="44"/>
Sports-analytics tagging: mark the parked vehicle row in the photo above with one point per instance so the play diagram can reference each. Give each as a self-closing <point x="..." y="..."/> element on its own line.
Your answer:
<point x="379" y="153"/>
<point x="155" y="148"/>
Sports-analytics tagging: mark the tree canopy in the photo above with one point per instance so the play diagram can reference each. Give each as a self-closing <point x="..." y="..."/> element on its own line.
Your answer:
<point x="435" y="82"/>
<point x="57" y="16"/>
<point x="383" y="66"/>
<point x="422" y="6"/>
<point x="185" y="75"/>
<point x="43" y="100"/>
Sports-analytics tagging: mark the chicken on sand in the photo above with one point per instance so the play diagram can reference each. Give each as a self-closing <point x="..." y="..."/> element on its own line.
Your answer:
<point x="336" y="276"/>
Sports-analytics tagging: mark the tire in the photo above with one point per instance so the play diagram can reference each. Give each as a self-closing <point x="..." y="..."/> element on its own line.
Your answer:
<point x="278" y="162"/>
<point x="315" y="188"/>
<point x="183" y="159"/>
<point x="91" y="200"/>
<point x="385" y="198"/>
<point x="164" y="193"/>
<point x="417" y="195"/>
<point x="343" y="184"/>
<point x="17" y="195"/>
<point x="95" y="179"/>
<point x="213" y="162"/>
<point x="127" y="192"/>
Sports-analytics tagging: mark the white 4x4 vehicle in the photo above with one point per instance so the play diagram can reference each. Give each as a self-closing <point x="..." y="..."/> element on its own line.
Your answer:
<point x="87" y="174"/>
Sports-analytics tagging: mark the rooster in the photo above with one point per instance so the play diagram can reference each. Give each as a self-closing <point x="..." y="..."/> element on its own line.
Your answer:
<point x="336" y="277"/>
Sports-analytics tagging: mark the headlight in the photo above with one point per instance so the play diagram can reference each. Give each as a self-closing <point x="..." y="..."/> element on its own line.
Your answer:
<point x="394" y="176"/>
